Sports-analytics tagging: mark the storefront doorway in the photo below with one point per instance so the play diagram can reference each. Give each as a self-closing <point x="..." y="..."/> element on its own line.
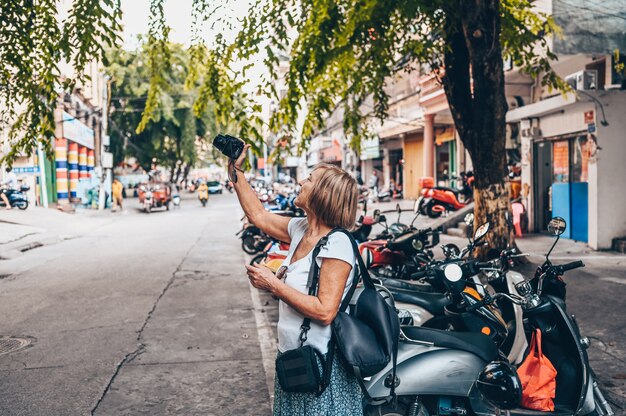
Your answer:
<point x="560" y="184"/>
<point x="395" y="168"/>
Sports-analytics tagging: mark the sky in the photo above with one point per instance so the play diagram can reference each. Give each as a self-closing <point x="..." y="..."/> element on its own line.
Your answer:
<point x="136" y="15"/>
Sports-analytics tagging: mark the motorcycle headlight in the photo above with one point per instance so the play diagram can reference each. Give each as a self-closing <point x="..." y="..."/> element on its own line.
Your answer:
<point x="417" y="244"/>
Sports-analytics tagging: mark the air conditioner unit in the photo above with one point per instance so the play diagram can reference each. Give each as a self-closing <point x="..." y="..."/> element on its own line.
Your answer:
<point x="583" y="80"/>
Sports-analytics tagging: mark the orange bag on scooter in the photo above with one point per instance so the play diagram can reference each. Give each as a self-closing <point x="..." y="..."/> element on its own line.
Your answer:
<point x="538" y="377"/>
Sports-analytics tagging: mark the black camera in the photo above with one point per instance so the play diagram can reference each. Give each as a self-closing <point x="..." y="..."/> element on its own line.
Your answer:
<point x="229" y="145"/>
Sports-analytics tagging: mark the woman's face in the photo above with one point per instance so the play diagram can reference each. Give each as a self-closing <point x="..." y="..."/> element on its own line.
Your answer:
<point x="306" y="186"/>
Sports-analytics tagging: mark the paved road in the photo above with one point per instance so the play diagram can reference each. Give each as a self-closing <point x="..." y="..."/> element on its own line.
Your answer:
<point x="146" y="314"/>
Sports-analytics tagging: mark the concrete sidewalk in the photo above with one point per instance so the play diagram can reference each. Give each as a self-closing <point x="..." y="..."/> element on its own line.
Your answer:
<point x="22" y="231"/>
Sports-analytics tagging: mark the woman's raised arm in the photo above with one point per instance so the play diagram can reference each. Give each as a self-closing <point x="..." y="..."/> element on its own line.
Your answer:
<point x="271" y="224"/>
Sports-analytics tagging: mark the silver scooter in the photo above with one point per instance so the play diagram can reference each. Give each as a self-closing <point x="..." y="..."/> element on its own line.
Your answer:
<point x="457" y="373"/>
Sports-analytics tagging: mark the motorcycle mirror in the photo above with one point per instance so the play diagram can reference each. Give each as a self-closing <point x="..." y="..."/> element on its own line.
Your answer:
<point x="453" y="272"/>
<point x="398" y="209"/>
<point x="481" y="232"/>
<point x="376" y="214"/>
<point x="557" y="226"/>
<point x="416" y="206"/>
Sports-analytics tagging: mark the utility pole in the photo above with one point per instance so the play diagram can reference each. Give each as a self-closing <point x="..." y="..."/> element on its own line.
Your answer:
<point x="42" y="175"/>
<point x="105" y="171"/>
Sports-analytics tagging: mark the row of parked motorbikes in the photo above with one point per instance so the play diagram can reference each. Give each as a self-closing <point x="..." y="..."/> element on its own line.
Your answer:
<point x="465" y="323"/>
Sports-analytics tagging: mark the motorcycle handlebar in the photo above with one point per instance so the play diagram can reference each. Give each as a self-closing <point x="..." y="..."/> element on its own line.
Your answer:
<point x="421" y="273"/>
<point x="571" y="266"/>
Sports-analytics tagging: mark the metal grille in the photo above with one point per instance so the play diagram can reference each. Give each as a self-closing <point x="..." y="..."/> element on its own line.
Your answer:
<point x="11" y="344"/>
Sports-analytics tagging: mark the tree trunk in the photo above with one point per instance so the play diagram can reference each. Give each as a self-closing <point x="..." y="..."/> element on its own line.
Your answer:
<point x="186" y="171"/>
<point x="474" y="85"/>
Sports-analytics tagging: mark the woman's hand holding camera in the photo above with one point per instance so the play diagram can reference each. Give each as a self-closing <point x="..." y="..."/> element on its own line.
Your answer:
<point x="242" y="157"/>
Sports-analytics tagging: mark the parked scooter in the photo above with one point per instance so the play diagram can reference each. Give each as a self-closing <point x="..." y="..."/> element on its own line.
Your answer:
<point x="437" y="371"/>
<point x="17" y="197"/>
<point x="253" y="240"/>
<point x="440" y="199"/>
<point x="430" y="380"/>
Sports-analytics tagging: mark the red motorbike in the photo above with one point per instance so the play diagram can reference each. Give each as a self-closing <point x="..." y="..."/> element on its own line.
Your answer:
<point x="398" y="248"/>
<point x="435" y="200"/>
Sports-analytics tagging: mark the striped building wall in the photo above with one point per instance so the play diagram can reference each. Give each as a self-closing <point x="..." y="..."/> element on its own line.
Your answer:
<point x="72" y="160"/>
<point x="91" y="161"/>
<point x="83" y="169"/>
<point x="61" y="169"/>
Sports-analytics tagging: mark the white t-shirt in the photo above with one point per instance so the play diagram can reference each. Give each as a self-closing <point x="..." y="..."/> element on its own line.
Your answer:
<point x="297" y="275"/>
<point x="10" y="180"/>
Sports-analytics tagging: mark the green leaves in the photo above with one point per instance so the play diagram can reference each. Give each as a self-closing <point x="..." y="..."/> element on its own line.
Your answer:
<point x="342" y="54"/>
<point x="33" y="44"/>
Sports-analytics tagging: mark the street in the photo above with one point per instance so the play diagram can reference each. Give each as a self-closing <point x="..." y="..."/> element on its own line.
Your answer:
<point x="152" y="314"/>
<point x="147" y="314"/>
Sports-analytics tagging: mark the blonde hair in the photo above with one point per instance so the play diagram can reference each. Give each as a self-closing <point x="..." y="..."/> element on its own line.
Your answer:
<point x="335" y="196"/>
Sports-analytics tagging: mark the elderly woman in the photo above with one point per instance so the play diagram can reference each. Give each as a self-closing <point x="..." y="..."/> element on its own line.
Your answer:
<point x="329" y="198"/>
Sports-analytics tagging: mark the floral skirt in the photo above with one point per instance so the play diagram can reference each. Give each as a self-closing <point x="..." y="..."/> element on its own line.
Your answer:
<point x="342" y="397"/>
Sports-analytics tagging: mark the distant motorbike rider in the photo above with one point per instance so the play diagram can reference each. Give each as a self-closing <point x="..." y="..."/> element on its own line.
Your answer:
<point x="9" y="183"/>
<point x="203" y="192"/>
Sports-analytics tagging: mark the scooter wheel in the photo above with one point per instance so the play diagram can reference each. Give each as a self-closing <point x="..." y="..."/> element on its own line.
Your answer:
<point x="248" y="244"/>
<point x="259" y="258"/>
<point x="22" y="205"/>
<point x="431" y="212"/>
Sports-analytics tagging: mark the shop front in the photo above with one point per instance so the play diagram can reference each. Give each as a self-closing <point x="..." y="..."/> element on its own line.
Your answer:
<point x="572" y="164"/>
<point x="561" y="186"/>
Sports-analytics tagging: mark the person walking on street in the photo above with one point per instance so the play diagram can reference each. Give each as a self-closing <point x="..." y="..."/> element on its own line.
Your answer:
<point x="9" y="183"/>
<point x="374" y="179"/>
<point x="329" y="198"/>
<point x="116" y="189"/>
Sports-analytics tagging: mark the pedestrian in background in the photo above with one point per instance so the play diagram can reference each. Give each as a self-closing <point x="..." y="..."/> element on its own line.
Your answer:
<point x="329" y="197"/>
<point x="373" y="180"/>
<point x="116" y="189"/>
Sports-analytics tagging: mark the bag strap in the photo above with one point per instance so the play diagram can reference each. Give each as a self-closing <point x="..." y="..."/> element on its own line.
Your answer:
<point x="362" y="273"/>
<point x="312" y="284"/>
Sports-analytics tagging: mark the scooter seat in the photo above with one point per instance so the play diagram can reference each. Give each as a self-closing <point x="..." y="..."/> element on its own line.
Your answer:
<point x="474" y="342"/>
<point x="432" y="302"/>
<point x="445" y="188"/>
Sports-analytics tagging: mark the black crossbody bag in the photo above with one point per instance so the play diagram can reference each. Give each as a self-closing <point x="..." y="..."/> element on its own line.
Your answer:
<point x="297" y="370"/>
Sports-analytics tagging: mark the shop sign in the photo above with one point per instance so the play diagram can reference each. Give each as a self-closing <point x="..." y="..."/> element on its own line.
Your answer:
<point x="370" y="148"/>
<point x="589" y="118"/>
<point x="76" y="131"/>
<point x="591" y="127"/>
<point x="26" y="169"/>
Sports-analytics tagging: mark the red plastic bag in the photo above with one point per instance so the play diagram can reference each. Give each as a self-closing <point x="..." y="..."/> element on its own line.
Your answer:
<point x="538" y="377"/>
